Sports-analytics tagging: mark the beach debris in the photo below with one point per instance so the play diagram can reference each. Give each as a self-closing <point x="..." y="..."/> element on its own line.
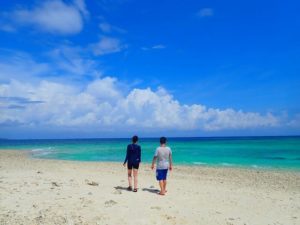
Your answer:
<point x="35" y="183"/>
<point x="110" y="203"/>
<point x="92" y="183"/>
<point x="39" y="218"/>
<point x="152" y="186"/>
<point x="118" y="192"/>
<point x="155" y="207"/>
<point x="55" y="184"/>
<point x="228" y="223"/>
<point x="38" y="172"/>
<point x="170" y="217"/>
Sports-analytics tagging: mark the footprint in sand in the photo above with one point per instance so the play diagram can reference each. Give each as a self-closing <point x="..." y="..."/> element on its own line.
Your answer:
<point x="117" y="192"/>
<point x="155" y="207"/>
<point x="110" y="203"/>
<point x="169" y="217"/>
<point x="54" y="184"/>
<point x="92" y="183"/>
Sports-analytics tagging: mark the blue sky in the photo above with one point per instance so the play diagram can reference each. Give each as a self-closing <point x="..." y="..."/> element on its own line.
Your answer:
<point x="105" y="68"/>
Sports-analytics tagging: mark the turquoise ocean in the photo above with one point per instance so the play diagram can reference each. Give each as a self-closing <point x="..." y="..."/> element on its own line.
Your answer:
<point x="253" y="152"/>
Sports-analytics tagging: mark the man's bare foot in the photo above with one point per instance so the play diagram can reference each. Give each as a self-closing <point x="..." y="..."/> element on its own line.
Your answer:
<point x="161" y="193"/>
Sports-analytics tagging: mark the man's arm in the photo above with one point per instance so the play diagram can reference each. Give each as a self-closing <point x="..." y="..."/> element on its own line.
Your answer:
<point x="139" y="154"/>
<point x="153" y="162"/>
<point x="170" y="161"/>
<point x="127" y="153"/>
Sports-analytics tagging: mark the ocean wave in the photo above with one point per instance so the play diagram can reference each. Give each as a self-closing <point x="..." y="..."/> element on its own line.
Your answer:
<point x="227" y="164"/>
<point x="255" y="166"/>
<point x="42" y="151"/>
<point x="199" y="163"/>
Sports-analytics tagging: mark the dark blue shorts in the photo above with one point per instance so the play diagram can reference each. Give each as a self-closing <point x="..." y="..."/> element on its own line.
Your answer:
<point x="134" y="165"/>
<point x="161" y="174"/>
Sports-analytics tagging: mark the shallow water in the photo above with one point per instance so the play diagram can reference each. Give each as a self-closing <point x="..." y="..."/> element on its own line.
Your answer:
<point x="255" y="152"/>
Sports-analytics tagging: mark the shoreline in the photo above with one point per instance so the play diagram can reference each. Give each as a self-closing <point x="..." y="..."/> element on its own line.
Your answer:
<point x="204" y="165"/>
<point x="45" y="191"/>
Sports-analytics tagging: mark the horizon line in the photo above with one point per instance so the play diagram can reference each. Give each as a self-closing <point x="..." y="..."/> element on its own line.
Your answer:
<point x="170" y="137"/>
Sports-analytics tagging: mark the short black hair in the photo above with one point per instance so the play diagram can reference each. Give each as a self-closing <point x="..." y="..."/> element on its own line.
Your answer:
<point x="163" y="140"/>
<point x="135" y="139"/>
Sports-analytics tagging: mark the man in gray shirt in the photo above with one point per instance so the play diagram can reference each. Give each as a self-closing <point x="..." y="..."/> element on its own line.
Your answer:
<point x="163" y="157"/>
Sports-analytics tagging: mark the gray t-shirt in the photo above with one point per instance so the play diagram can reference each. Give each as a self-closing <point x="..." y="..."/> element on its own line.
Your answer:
<point x="162" y="154"/>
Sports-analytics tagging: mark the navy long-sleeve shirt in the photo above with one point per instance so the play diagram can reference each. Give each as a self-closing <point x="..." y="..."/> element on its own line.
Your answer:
<point x="133" y="154"/>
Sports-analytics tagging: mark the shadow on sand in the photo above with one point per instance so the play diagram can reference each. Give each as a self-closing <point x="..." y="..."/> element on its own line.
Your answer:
<point x="151" y="190"/>
<point x="122" y="188"/>
<point x="155" y="191"/>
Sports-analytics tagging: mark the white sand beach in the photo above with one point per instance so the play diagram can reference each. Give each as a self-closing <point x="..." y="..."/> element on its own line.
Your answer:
<point x="35" y="191"/>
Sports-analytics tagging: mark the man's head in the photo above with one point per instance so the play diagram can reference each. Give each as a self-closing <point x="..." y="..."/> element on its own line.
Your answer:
<point x="135" y="139"/>
<point x="163" y="140"/>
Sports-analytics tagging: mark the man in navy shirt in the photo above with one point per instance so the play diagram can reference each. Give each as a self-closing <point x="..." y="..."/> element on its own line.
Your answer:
<point x="133" y="159"/>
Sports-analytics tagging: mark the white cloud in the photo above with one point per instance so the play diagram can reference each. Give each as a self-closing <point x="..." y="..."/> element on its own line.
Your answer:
<point x="28" y="98"/>
<point x="105" y="27"/>
<point x="61" y="63"/>
<point x="108" y="28"/>
<point x="82" y="7"/>
<point x="107" y="45"/>
<point x="104" y="89"/>
<point x="73" y="60"/>
<point x="295" y="122"/>
<point x="53" y="16"/>
<point x="16" y="65"/>
<point x="205" y="12"/>
<point x="101" y="105"/>
<point x="155" y="47"/>
<point x="158" y="46"/>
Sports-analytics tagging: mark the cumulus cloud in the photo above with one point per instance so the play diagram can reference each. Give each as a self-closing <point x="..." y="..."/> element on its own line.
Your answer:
<point x="101" y="105"/>
<point x="107" y="45"/>
<point x="205" y="12"/>
<point x="53" y="16"/>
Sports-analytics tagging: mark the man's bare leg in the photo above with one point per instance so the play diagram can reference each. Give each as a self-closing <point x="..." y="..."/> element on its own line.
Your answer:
<point x="165" y="185"/>
<point x="130" y="178"/>
<point x="135" y="178"/>
<point x="161" y="185"/>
